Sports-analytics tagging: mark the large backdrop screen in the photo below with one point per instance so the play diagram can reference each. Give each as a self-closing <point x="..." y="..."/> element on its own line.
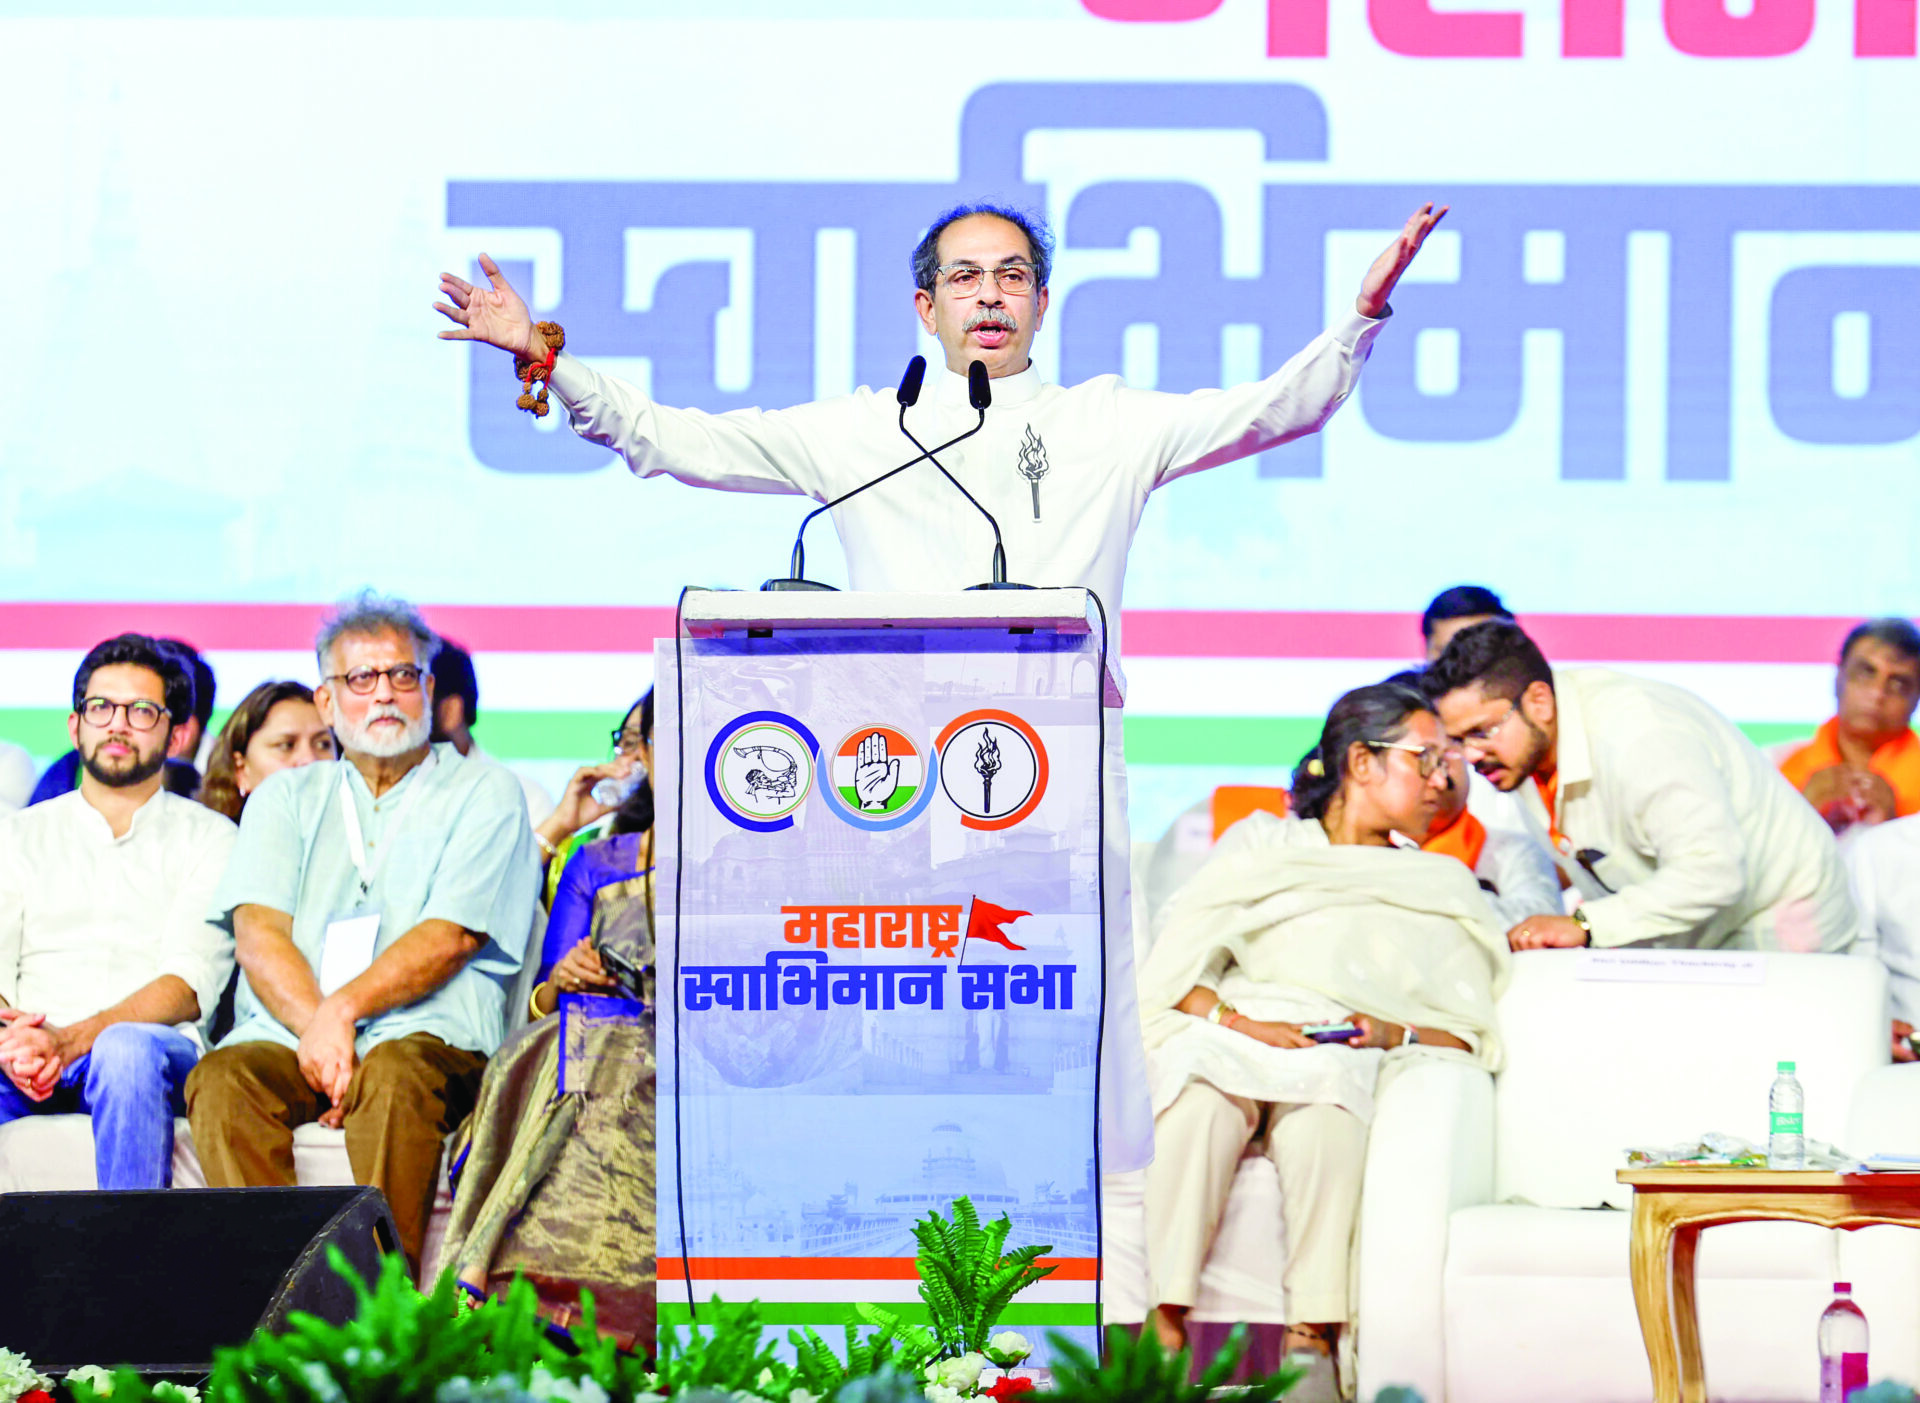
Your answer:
<point x="1657" y="379"/>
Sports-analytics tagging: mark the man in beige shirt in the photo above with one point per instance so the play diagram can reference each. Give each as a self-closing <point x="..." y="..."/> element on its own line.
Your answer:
<point x="1673" y="826"/>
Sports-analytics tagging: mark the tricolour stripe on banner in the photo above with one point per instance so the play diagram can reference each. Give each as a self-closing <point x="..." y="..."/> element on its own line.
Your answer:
<point x="817" y="1313"/>
<point x="1164" y="633"/>
<point x="836" y="1268"/>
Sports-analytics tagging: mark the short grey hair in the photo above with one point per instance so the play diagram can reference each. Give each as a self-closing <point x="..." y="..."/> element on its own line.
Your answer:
<point x="367" y="613"/>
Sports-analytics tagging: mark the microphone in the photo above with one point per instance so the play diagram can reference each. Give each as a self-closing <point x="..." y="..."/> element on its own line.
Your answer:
<point x="980" y="396"/>
<point x="907" y="395"/>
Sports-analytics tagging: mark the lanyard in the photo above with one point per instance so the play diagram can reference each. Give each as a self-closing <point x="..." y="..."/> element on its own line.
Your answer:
<point x="356" y="840"/>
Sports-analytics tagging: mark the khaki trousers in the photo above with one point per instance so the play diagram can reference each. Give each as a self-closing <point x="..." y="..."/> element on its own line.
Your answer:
<point x="245" y="1100"/>
<point x="1320" y="1151"/>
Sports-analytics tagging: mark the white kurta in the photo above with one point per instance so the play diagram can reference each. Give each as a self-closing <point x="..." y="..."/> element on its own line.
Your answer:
<point x="87" y="918"/>
<point x="1692" y="837"/>
<point x="1066" y="472"/>
<point x="1884" y="862"/>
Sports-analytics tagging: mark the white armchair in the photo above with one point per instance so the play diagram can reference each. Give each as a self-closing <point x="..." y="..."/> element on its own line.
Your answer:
<point x="1493" y="1245"/>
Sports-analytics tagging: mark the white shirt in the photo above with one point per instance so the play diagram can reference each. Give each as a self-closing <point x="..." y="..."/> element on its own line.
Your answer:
<point x="1522" y="875"/>
<point x="16" y="777"/>
<point x="1095" y="451"/>
<point x="87" y="918"/>
<point x="1884" y="862"/>
<point x="1693" y="837"/>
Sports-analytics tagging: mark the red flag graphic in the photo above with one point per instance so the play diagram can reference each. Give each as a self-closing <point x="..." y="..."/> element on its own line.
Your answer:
<point x="984" y="922"/>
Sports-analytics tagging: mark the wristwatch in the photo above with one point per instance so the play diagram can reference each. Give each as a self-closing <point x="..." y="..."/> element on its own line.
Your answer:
<point x="1586" y="926"/>
<point x="1412" y="1036"/>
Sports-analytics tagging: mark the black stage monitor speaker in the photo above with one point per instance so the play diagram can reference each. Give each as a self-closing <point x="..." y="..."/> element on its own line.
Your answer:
<point x="160" y="1279"/>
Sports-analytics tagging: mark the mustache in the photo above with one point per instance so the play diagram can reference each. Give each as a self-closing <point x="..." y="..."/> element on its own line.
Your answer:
<point x="385" y="711"/>
<point x="989" y="316"/>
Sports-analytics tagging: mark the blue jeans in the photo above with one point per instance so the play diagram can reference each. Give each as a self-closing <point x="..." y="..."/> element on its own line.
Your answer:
<point x="130" y="1083"/>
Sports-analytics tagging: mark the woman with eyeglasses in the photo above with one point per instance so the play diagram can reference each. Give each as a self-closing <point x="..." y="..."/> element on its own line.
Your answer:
<point x="555" y="1182"/>
<point x="584" y="810"/>
<point x="1309" y="958"/>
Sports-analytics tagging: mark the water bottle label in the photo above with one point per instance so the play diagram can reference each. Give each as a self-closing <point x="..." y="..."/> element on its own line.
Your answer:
<point x="1786" y="1122"/>
<point x="1840" y="1376"/>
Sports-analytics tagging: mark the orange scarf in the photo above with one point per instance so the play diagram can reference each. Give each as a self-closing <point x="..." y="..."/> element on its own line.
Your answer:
<point x="1897" y="762"/>
<point x="1465" y="838"/>
<point x="1550" y="795"/>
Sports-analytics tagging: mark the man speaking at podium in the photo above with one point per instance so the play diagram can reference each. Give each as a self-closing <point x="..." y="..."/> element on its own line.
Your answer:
<point x="1064" y="471"/>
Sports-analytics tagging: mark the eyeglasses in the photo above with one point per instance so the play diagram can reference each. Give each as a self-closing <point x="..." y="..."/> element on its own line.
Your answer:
<point x="1016" y="279"/>
<point x="1432" y="757"/>
<point x="141" y="715"/>
<point x="624" y="739"/>
<point x="362" y="680"/>
<point x="1482" y="736"/>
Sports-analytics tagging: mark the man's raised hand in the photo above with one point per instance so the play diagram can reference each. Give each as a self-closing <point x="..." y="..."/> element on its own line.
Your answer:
<point x="493" y="314"/>
<point x="1381" y="278"/>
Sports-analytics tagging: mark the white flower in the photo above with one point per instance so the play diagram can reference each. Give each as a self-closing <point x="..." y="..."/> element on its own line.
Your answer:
<point x="962" y="1374"/>
<point x="176" y="1393"/>
<point x="94" y="1377"/>
<point x="1008" y="1348"/>
<point x="320" y="1379"/>
<point x="17" y="1376"/>
<point x="543" y="1385"/>
<point x="940" y="1393"/>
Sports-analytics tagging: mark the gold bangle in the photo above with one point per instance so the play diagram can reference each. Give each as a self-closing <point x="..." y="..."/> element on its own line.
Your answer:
<point x="1221" y="1009"/>
<point x="534" y="1015"/>
<point x="548" y="848"/>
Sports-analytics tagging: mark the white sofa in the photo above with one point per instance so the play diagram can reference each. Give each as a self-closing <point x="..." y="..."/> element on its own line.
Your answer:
<point x="1493" y="1238"/>
<point x="1493" y="1241"/>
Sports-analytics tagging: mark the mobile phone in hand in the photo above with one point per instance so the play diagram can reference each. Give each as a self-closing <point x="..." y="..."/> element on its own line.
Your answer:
<point x="1330" y="1032"/>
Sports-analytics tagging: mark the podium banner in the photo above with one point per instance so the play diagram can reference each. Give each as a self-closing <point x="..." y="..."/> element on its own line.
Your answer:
<point x="879" y="873"/>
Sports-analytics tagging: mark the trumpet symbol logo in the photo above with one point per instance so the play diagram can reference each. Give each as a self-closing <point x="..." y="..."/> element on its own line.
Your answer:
<point x="986" y="764"/>
<point x="1033" y="465"/>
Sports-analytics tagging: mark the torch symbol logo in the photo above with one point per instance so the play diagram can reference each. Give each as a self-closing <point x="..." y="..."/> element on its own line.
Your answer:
<point x="1033" y="465"/>
<point x="986" y="763"/>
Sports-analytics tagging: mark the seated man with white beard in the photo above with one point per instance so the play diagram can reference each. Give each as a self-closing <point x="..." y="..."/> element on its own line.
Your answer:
<point x="380" y="907"/>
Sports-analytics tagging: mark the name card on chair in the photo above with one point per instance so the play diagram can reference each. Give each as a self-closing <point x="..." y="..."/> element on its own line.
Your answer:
<point x="1633" y="966"/>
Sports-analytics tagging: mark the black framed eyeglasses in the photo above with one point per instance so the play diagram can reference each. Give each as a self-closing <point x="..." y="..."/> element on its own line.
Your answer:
<point x="141" y="715"/>
<point x="624" y="738"/>
<point x="362" y="680"/>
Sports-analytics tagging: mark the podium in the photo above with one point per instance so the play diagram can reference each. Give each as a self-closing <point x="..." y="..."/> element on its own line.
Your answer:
<point x="882" y="945"/>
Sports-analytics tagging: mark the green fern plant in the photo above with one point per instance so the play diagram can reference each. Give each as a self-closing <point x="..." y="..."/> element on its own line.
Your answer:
<point x="731" y="1354"/>
<point x="967" y="1279"/>
<point x="1138" y="1369"/>
<point x="820" y="1371"/>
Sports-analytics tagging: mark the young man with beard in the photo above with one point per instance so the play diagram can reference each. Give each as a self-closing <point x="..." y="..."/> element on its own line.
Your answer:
<point x="1066" y="471"/>
<point x="108" y="966"/>
<point x="380" y="906"/>
<point x="1674" y="827"/>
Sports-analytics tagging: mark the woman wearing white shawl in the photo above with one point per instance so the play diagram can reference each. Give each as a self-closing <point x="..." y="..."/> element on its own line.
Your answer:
<point x="1319" y="917"/>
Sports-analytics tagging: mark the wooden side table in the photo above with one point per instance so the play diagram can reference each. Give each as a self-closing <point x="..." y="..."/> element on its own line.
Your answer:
<point x="1671" y="1206"/>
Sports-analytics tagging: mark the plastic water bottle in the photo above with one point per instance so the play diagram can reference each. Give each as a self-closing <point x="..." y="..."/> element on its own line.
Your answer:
<point x="612" y="793"/>
<point x="1786" y="1130"/>
<point x="1843" y="1346"/>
